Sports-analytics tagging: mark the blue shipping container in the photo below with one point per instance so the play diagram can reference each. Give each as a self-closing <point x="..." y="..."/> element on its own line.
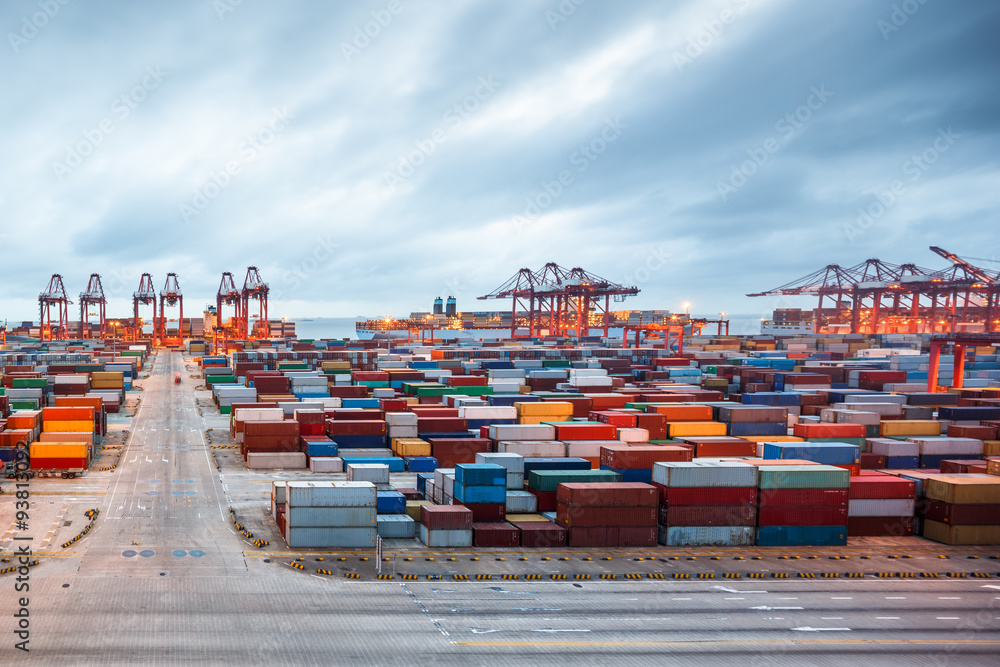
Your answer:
<point x="480" y="474"/>
<point x="390" y="502"/>
<point x="545" y="463"/>
<point x="321" y="449"/>
<point x="791" y="536"/>
<point x="753" y="428"/>
<point x="642" y="475"/>
<point x="421" y="464"/>
<point x="394" y="462"/>
<point x="481" y="494"/>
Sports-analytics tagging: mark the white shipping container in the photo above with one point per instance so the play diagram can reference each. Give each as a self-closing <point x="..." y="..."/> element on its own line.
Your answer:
<point x="633" y="435"/>
<point x="704" y="474"/>
<point x="403" y="432"/>
<point x="326" y="464"/>
<point x="276" y="460"/>
<point x="588" y="449"/>
<point x="509" y="432"/>
<point x="401" y="418"/>
<point x="331" y="494"/>
<point x="376" y="473"/>
<point x="521" y="502"/>
<point x="515" y="480"/>
<point x="487" y="412"/>
<point x="533" y="448"/>
<point x="881" y="507"/>
<point x="950" y="446"/>
<point x="278" y="492"/>
<point x="512" y="462"/>
<point x="890" y="447"/>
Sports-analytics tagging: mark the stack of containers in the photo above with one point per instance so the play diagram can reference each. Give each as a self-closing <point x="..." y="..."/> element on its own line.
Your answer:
<point x="330" y="514"/>
<point x="753" y="420"/>
<point x="544" y="483"/>
<point x="801" y="505"/>
<point x="881" y="506"/>
<point x="617" y="514"/>
<point x="446" y="526"/>
<point x="482" y="487"/>
<point x="272" y="444"/>
<point x="899" y="454"/>
<point x="711" y="503"/>
<point x="840" y="454"/>
<point x="934" y="450"/>
<point x="962" y="509"/>
<point x="401" y="424"/>
<point x="544" y="411"/>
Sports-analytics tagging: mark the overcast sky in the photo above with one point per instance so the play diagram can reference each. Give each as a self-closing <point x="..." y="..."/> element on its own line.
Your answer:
<point x="370" y="156"/>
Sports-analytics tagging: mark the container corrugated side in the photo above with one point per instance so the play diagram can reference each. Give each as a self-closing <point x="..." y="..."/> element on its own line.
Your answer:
<point x="521" y="502"/>
<point x="941" y="532"/>
<point x="549" y="480"/>
<point x="445" y="538"/>
<point x="396" y="526"/>
<point x="880" y="507"/>
<point x="716" y="536"/>
<point x="306" y="538"/>
<point x="777" y="536"/>
<point x="949" y="446"/>
<point x="330" y="517"/>
<point x="696" y="474"/>
<point x="803" y="477"/>
<point x="331" y="494"/>
<point x="960" y="490"/>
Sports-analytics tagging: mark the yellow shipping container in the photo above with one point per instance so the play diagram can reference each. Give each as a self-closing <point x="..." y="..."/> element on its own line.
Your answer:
<point x="107" y="375"/>
<point x="413" y="508"/>
<point x="525" y="518"/>
<point x="58" y="450"/>
<point x="52" y="425"/>
<point x="959" y="490"/>
<point x="991" y="447"/>
<point x="910" y="427"/>
<point x="680" y="429"/>
<point x="993" y="467"/>
<point x="107" y="384"/>
<point x="545" y="409"/>
<point x="411" y="447"/>
<point x="336" y="365"/>
<point x="942" y="532"/>
<point x="773" y="438"/>
<point x="63" y="436"/>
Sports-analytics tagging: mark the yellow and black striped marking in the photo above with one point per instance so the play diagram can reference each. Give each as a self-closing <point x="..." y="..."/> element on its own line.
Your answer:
<point x="510" y="576"/>
<point x="482" y="577"/>
<point x="385" y="576"/>
<point x="732" y="575"/>
<point x="609" y="576"/>
<point x="680" y="575"/>
<point x="582" y="576"/>
<point x="297" y="566"/>
<point x="558" y="576"/>
<point x="706" y="575"/>
<point x="652" y="575"/>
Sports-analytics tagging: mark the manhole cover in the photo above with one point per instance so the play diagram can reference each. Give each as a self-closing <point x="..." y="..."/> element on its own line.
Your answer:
<point x="197" y="553"/>
<point x="128" y="553"/>
<point x="146" y="553"/>
<point x="178" y="553"/>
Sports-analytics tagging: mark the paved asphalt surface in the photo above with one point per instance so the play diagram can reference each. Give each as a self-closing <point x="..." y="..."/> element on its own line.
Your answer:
<point x="163" y="577"/>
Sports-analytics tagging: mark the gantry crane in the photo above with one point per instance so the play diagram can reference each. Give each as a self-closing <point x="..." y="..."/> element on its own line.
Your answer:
<point x="255" y="289"/>
<point x="171" y="296"/>
<point x="145" y="295"/>
<point x="54" y="295"/>
<point x="228" y="295"/>
<point x="93" y="296"/>
<point x="560" y="300"/>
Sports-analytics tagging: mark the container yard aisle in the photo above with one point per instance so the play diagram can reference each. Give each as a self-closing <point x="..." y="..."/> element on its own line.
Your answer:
<point x="163" y="511"/>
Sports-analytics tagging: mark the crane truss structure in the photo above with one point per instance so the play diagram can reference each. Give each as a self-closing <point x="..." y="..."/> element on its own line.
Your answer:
<point x="93" y="297"/>
<point x="171" y="296"/>
<point x="255" y="289"/>
<point x="145" y="295"/>
<point x="53" y="296"/>
<point x="556" y="301"/>
<point x="879" y="297"/>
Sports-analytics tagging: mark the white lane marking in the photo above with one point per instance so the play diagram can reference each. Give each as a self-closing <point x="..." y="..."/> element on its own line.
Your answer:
<point x="808" y="629"/>
<point x="555" y="630"/>
<point x="940" y="598"/>
<point x="841" y="598"/>
<point x="947" y="618"/>
<point x="894" y="598"/>
<point x="726" y="589"/>
<point x="887" y="618"/>
<point x="775" y="608"/>
<point x="680" y="599"/>
<point x="734" y="598"/>
<point x="786" y="598"/>
<point x="831" y="618"/>
<point x="992" y="586"/>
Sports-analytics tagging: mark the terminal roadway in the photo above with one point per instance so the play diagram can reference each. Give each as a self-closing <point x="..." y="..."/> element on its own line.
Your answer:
<point x="164" y="578"/>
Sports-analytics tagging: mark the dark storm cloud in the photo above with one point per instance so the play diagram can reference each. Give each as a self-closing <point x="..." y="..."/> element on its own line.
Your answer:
<point x="369" y="157"/>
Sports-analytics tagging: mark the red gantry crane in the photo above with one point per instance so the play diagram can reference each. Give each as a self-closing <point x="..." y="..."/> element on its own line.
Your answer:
<point x="228" y="295"/>
<point x="145" y="295"/>
<point x="54" y="295"/>
<point x="93" y="296"/>
<point x="171" y="296"/>
<point x="255" y="289"/>
<point x="563" y="302"/>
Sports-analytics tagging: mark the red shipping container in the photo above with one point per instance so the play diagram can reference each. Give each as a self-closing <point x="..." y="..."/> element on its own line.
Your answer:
<point x="605" y="401"/>
<point x="802" y="498"/>
<point x="708" y="515"/>
<point x="433" y="411"/>
<point x="593" y="536"/>
<point x="495" y="535"/>
<point x="827" y="430"/>
<point x="38" y="463"/>
<point x="619" y="419"/>
<point x="446" y="517"/>
<point x="541" y="534"/>
<point x="879" y="526"/>
<point x="309" y="416"/>
<point x="546" y="499"/>
<point x="642" y="457"/>
<point x="802" y="516"/>
<point x="586" y="432"/>
<point x="581" y="408"/>
<point x="880" y="487"/>
<point x="962" y="466"/>
<point x="468" y="381"/>
<point x="312" y="429"/>
<point x="576" y="515"/>
<point x="874" y="380"/>
<point x="271" y="443"/>
<point x="286" y="428"/>
<point x="410" y="494"/>
<point x="870" y="461"/>
<point x="486" y="512"/>
<point x="369" y="376"/>
<point x="734" y="447"/>
<point x="607" y="494"/>
<point x="441" y="424"/>
<point x="855" y="470"/>
<point x="335" y="427"/>
<point x="977" y="432"/>
<point x="393" y="404"/>
<point x="721" y="495"/>
<point x="636" y="536"/>
<point x="962" y="515"/>
<point x="355" y="414"/>
<point x="348" y="391"/>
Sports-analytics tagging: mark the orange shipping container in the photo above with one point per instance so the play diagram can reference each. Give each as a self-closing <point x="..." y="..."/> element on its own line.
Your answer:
<point x="829" y="430"/>
<point x="685" y="413"/>
<point x="68" y="414"/>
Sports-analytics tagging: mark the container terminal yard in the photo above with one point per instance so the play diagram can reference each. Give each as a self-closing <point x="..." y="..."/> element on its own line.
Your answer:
<point x="244" y="496"/>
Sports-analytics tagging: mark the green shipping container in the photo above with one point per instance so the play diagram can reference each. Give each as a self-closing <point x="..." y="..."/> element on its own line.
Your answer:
<point x="803" y="477"/>
<point x="30" y="383"/>
<point x="220" y="379"/>
<point x="372" y="384"/>
<point x="24" y="405"/>
<point x="547" y="481"/>
<point x="555" y="363"/>
<point x="473" y="391"/>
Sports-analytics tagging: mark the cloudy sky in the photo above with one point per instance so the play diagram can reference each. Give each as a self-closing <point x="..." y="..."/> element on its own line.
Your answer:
<point x="369" y="156"/>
